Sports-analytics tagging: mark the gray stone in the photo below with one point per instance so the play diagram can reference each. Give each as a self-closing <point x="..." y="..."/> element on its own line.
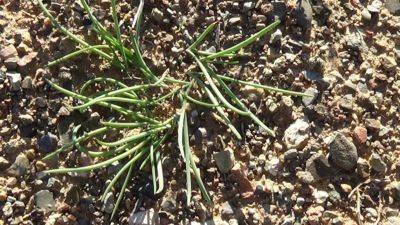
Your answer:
<point x="305" y="177"/>
<point x="26" y="119"/>
<point x="373" y="124"/>
<point x="276" y="36"/>
<point x="308" y="100"/>
<point x="303" y="13"/>
<point x="54" y="184"/>
<point x="363" y="168"/>
<point x="147" y="217"/>
<point x="226" y="209"/>
<point x="280" y="8"/>
<point x="393" y="6"/>
<point x="27" y="83"/>
<point x="343" y="153"/>
<point x="40" y="102"/>
<point x="72" y="195"/>
<point x="44" y="200"/>
<point x="7" y="210"/>
<point x="375" y="6"/>
<point x="15" y="80"/>
<point x="346" y="102"/>
<point x="20" y="167"/>
<point x="224" y="160"/>
<point x="109" y="202"/>
<point x="47" y="143"/>
<point x="290" y="154"/>
<point x="377" y="163"/>
<point x="297" y="134"/>
<point x="234" y="21"/>
<point x="320" y="196"/>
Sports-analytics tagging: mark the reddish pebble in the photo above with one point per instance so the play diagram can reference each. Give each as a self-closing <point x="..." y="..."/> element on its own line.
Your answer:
<point x="245" y="187"/>
<point x="360" y="135"/>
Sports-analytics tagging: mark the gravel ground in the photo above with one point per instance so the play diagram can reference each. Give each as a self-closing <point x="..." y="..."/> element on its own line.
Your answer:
<point x="335" y="158"/>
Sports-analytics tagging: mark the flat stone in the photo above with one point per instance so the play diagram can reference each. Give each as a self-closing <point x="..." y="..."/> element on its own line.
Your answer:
<point x="20" y="166"/>
<point x="297" y="134"/>
<point x="8" y="52"/>
<point x="303" y="13"/>
<point x="44" y="200"/>
<point x="245" y="187"/>
<point x="234" y="21"/>
<point x="224" y="160"/>
<point x="308" y="100"/>
<point x="343" y="153"/>
<point x="290" y="154"/>
<point x="373" y="124"/>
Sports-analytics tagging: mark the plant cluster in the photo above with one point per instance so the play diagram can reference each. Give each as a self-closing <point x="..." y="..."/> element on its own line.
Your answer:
<point x="144" y="133"/>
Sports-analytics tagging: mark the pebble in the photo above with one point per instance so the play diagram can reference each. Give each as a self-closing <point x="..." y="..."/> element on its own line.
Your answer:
<point x="280" y="8"/>
<point x="276" y="36"/>
<point x="15" y="80"/>
<point x="157" y="15"/>
<point x="7" y="210"/>
<point x="360" y="135"/>
<point x="4" y="163"/>
<point x="290" y="154"/>
<point x="40" y="102"/>
<point x="239" y="176"/>
<point x="234" y="21"/>
<point x="388" y="63"/>
<point x="225" y="160"/>
<point x="297" y="134"/>
<point x="47" y="143"/>
<point x="320" y="196"/>
<point x="373" y="124"/>
<point x="377" y="163"/>
<point x="303" y="13"/>
<point x="54" y="184"/>
<point x="109" y="202"/>
<point x="27" y="83"/>
<point x="226" y="210"/>
<point x="20" y="167"/>
<point x="25" y="119"/>
<point x="375" y="6"/>
<point x="9" y="56"/>
<point x="272" y="166"/>
<point x="363" y="168"/>
<point x="44" y="200"/>
<point x="3" y="195"/>
<point x="342" y="152"/>
<point x="147" y="217"/>
<point x="346" y="102"/>
<point x="366" y="15"/>
<point x="308" y="100"/>
<point x="305" y="177"/>
<point x="72" y="195"/>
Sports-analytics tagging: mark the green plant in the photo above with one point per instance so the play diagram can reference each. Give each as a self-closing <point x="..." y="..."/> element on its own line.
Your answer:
<point x="143" y="133"/>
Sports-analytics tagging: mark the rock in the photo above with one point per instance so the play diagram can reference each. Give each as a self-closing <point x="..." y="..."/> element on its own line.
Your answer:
<point x="276" y="36"/>
<point x="373" y="124"/>
<point x="7" y="210"/>
<point x="27" y="83"/>
<point x="363" y="168"/>
<point x="377" y="163"/>
<point x="40" y="102"/>
<point x="346" y="188"/>
<point x="346" y="102"/>
<point x="44" y="200"/>
<point x="393" y="6"/>
<point x="366" y="15"/>
<point x="72" y="195"/>
<point x="25" y="119"/>
<point x="247" y="6"/>
<point x="375" y="6"/>
<point x="320" y="196"/>
<point x="157" y="15"/>
<point x="297" y="134"/>
<point x="319" y="167"/>
<point x="25" y="62"/>
<point x="54" y="184"/>
<point x="47" y="143"/>
<point x="308" y="100"/>
<point x="169" y="204"/>
<point x="272" y="166"/>
<point x="225" y="160"/>
<point x="109" y="202"/>
<point x="354" y="41"/>
<point x="360" y="135"/>
<point x="303" y="13"/>
<point x="8" y="52"/>
<point x="239" y="176"/>
<point x="20" y="167"/>
<point x="15" y="80"/>
<point x="147" y="217"/>
<point x="226" y="210"/>
<point x="388" y="63"/>
<point x="305" y="177"/>
<point x="343" y="153"/>
<point x="290" y="154"/>
<point x="234" y="21"/>
<point x="3" y="195"/>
